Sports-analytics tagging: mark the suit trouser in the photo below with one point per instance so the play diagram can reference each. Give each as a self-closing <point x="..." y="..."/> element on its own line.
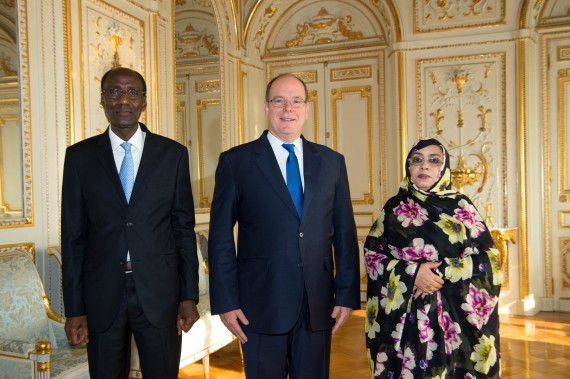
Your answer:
<point x="301" y="353"/>
<point x="109" y="352"/>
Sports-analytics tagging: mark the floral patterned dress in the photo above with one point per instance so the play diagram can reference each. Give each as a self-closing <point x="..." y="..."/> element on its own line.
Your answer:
<point x="453" y="333"/>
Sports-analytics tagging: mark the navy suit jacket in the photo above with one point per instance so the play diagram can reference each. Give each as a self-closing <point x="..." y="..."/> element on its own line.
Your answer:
<point x="98" y="226"/>
<point x="279" y="256"/>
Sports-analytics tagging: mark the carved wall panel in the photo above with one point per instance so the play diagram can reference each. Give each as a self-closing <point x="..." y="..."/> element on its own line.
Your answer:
<point x="461" y="102"/>
<point x="437" y="15"/>
<point x="109" y="37"/>
<point x="313" y="26"/>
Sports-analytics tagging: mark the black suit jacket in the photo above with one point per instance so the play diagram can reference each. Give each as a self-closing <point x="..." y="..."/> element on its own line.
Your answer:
<point x="279" y="255"/>
<point x="98" y="226"/>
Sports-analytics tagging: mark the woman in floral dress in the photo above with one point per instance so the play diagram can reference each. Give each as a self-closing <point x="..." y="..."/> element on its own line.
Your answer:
<point x="433" y="279"/>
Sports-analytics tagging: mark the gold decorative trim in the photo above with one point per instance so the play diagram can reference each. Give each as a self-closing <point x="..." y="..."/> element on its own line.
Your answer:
<point x="240" y="99"/>
<point x="564" y="258"/>
<point x="523" y="220"/>
<point x="563" y="53"/>
<point x="28" y="247"/>
<point x="201" y="106"/>
<point x="365" y="93"/>
<point x="202" y="86"/>
<point x="291" y="54"/>
<point x="403" y="111"/>
<point x="562" y="219"/>
<point x="309" y="77"/>
<point x="27" y="218"/>
<point x="563" y="94"/>
<point x="314" y="100"/>
<point x="350" y="73"/>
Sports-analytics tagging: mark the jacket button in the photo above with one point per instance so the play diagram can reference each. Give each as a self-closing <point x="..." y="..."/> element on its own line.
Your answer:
<point x="129" y="224"/>
<point x="301" y="234"/>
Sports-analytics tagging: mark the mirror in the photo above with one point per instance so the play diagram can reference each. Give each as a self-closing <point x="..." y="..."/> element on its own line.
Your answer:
<point x="15" y="149"/>
<point x="198" y="94"/>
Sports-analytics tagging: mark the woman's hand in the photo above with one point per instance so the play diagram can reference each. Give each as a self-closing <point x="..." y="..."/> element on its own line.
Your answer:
<point x="426" y="281"/>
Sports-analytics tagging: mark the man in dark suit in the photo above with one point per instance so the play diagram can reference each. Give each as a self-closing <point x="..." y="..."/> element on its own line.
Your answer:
<point x="281" y="292"/>
<point x="129" y="253"/>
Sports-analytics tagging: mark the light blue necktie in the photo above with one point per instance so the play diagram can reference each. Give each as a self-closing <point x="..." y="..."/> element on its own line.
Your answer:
<point x="127" y="171"/>
<point x="294" y="178"/>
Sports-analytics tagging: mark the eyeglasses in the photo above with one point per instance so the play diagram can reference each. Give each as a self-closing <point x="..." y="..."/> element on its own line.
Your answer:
<point x="432" y="161"/>
<point x="280" y="102"/>
<point x="114" y="93"/>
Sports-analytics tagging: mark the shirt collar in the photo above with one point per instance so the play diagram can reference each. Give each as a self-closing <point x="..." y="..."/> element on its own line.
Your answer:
<point x="276" y="142"/>
<point x="137" y="140"/>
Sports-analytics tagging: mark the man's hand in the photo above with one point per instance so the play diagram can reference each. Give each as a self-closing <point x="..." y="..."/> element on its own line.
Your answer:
<point x="76" y="330"/>
<point x="230" y="320"/>
<point x="187" y="315"/>
<point x="341" y="314"/>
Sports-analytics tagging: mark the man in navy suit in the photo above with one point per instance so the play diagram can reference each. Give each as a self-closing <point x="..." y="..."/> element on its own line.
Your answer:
<point x="129" y="252"/>
<point x="293" y="279"/>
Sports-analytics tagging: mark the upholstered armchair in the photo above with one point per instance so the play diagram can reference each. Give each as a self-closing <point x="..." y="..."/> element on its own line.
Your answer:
<point x="32" y="339"/>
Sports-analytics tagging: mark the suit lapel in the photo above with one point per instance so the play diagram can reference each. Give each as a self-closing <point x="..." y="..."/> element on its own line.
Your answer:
<point x="105" y="155"/>
<point x="311" y="168"/>
<point x="148" y="159"/>
<point x="267" y="163"/>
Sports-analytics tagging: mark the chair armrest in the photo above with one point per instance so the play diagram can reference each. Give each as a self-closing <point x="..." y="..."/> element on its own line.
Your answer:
<point x="16" y="348"/>
<point x="58" y="336"/>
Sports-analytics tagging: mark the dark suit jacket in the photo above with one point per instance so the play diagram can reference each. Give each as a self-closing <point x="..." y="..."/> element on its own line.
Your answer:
<point x="98" y="226"/>
<point x="278" y="255"/>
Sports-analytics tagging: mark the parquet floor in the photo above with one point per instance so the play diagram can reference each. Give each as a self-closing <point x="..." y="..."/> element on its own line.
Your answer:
<point x="531" y="347"/>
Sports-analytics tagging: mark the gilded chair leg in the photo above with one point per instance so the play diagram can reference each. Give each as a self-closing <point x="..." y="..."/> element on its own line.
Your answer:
<point x="41" y="357"/>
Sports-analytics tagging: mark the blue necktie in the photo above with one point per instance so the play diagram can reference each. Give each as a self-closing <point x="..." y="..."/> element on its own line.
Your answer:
<point x="294" y="178"/>
<point x="127" y="171"/>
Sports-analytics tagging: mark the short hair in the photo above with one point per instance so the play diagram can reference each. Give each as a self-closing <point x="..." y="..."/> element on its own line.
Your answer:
<point x="123" y="69"/>
<point x="281" y="76"/>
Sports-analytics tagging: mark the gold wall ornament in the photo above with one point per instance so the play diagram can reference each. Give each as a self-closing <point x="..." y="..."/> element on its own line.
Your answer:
<point x="439" y="117"/>
<point x="324" y="28"/>
<point x="501" y="237"/>
<point x="116" y="41"/>
<point x="192" y="43"/>
<point x="268" y="14"/>
<point x="483" y="116"/>
<point x="460" y="78"/>
<point x="462" y="175"/>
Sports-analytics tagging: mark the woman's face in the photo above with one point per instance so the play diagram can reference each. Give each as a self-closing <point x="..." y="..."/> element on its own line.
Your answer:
<point x="425" y="165"/>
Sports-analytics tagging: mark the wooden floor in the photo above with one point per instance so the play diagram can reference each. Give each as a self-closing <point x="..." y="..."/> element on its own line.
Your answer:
<point x="531" y="347"/>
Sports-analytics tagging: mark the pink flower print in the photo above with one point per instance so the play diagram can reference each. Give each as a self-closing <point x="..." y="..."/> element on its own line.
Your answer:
<point x="410" y="213"/>
<point x="395" y="251"/>
<point x="397" y="336"/>
<point x="373" y="262"/>
<point x="426" y="333"/>
<point x="479" y="305"/>
<point x="451" y="331"/>
<point x="468" y="215"/>
<point x="408" y="364"/>
<point x="381" y="357"/>
<point x="419" y="251"/>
